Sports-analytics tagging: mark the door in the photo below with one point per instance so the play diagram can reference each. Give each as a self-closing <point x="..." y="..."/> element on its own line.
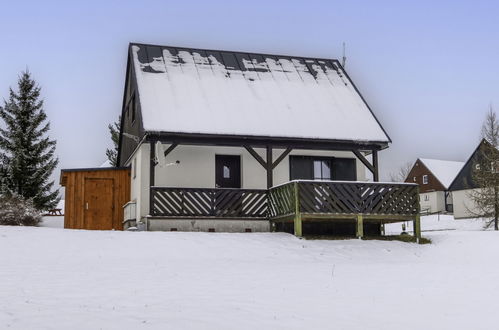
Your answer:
<point x="227" y="171"/>
<point x="98" y="204"/>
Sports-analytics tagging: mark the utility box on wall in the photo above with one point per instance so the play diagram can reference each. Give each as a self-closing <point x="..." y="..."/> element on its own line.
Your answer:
<point x="95" y="197"/>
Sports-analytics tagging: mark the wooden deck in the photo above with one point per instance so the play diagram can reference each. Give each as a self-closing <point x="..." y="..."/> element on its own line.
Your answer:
<point x="295" y="201"/>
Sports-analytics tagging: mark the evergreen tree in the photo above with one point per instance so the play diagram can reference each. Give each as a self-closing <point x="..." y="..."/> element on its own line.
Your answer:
<point x="485" y="174"/>
<point x="114" y="130"/>
<point x="26" y="150"/>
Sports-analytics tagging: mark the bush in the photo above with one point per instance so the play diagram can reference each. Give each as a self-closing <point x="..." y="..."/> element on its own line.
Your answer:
<point x="17" y="211"/>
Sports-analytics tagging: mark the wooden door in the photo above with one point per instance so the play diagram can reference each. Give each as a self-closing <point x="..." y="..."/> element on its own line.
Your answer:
<point x="228" y="171"/>
<point x="98" y="203"/>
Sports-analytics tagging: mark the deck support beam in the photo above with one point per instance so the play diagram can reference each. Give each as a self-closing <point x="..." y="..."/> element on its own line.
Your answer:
<point x="360" y="226"/>
<point x="297" y="220"/>
<point x="417" y="228"/>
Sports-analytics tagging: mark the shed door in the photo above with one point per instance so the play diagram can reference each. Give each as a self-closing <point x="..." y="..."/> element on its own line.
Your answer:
<point x="98" y="203"/>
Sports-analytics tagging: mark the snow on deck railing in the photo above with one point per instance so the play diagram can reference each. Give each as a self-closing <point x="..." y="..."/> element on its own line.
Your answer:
<point x="344" y="181"/>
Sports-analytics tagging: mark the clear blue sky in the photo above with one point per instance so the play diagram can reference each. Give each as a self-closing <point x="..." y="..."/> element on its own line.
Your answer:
<point x="428" y="69"/>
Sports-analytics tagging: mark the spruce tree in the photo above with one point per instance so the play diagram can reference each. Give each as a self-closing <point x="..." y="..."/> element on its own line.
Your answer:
<point x="26" y="150"/>
<point x="485" y="174"/>
<point x="114" y="130"/>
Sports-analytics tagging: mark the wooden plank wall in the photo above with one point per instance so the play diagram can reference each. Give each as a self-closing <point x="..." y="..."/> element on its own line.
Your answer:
<point x="74" y="182"/>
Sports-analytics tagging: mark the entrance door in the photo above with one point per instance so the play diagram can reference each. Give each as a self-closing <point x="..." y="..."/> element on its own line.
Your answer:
<point x="227" y="171"/>
<point x="98" y="203"/>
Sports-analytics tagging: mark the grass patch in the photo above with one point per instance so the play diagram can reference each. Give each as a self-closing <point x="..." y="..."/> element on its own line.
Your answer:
<point x="401" y="238"/>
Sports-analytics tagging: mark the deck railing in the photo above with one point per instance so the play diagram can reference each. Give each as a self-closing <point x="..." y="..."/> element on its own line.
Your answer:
<point x="203" y="202"/>
<point x="344" y="198"/>
<point x="310" y="198"/>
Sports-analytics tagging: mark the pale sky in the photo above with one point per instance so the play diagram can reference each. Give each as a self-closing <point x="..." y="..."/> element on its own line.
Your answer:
<point x="428" y="69"/>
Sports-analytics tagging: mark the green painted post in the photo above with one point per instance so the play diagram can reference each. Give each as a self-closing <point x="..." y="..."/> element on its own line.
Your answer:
<point x="417" y="220"/>
<point x="360" y="226"/>
<point x="297" y="222"/>
<point x="417" y="228"/>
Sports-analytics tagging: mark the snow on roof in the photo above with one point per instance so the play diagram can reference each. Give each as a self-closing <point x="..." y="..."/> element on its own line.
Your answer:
<point x="444" y="170"/>
<point x="218" y="92"/>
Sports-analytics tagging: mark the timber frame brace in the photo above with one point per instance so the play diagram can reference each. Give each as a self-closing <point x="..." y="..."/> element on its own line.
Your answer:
<point x="268" y="164"/>
<point x="373" y="168"/>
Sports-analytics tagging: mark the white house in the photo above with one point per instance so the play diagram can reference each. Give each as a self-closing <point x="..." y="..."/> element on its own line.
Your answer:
<point x="216" y="141"/>
<point x="434" y="177"/>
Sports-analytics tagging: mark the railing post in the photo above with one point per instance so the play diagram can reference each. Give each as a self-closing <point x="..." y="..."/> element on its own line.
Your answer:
<point x="417" y="220"/>
<point x="360" y="226"/>
<point x="297" y="220"/>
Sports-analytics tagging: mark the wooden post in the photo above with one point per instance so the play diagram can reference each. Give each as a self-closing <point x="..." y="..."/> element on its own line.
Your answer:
<point x="417" y="228"/>
<point x="375" y="165"/>
<point x="269" y="168"/>
<point x="297" y="222"/>
<point x="360" y="226"/>
<point x="152" y="166"/>
<point x="416" y="225"/>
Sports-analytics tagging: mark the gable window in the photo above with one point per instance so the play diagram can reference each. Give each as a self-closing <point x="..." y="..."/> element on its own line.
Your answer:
<point x="414" y="179"/>
<point x="425" y="179"/>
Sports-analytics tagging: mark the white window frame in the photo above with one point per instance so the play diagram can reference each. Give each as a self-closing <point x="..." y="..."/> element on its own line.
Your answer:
<point x="425" y="179"/>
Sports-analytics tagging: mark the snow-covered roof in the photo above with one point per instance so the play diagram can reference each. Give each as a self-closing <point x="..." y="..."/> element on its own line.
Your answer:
<point x="444" y="170"/>
<point x="218" y="92"/>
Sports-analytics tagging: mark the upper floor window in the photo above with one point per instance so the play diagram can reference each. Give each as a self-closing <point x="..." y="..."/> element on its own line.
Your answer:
<point x="425" y="179"/>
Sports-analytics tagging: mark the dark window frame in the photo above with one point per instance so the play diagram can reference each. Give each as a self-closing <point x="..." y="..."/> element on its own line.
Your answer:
<point x="331" y="160"/>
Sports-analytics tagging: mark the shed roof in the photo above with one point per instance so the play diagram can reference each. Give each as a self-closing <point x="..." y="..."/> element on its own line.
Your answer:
<point x="444" y="170"/>
<point x="233" y="93"/>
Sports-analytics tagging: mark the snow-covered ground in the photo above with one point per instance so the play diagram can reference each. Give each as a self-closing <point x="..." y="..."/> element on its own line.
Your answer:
<point x="53" y="278"/>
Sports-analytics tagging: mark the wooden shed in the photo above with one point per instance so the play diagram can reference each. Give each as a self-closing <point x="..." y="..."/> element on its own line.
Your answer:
<point x="94" y="197"/>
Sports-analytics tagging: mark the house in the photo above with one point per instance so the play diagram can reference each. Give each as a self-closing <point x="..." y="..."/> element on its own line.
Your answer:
<point x="434" y="177"/>
<point x="463" y="184"/>
<point x="230" y="141"/>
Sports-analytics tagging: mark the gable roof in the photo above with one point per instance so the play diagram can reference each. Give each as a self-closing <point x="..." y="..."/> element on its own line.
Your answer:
<point x="464" y="179"/>
<point x="444" y="170"/>
<point x="183" y="90"/>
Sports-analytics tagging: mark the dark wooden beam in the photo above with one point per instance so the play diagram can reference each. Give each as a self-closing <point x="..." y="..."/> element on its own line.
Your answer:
<point x="364" y="160"/>
<point x="269" y="168"/>
<point x="256" y="156"/>
<point x="281" y="157"/>
<point x="375" y="165"/>
<point x="170" y="148"/>
<point x="152" y="166"/>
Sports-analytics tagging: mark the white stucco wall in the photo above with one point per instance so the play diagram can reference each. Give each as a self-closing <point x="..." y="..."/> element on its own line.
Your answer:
<point x="196" y="169"/>
<point x="432" y="202"/>
<point x="463" y="205"/>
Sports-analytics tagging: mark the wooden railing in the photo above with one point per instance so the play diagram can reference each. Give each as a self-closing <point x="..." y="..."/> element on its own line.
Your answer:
<point x="310" y="198"/>
<point x="202" y="202"/>
<point x="344" y="198"/>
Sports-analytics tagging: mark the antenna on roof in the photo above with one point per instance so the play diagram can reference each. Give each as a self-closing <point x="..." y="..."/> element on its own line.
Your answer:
<point x="344" y="59"/>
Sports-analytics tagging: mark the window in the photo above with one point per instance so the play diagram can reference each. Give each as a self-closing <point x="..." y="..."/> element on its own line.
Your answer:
<point x="322" y="168"/>
<point x="414" y="179"/>
<point x="226" y="172"/>
<point x="426" y="198"/>
<point x="425" y="179"/>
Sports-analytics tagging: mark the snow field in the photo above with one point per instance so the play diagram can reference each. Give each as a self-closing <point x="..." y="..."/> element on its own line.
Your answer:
<point x="73" y="279"/>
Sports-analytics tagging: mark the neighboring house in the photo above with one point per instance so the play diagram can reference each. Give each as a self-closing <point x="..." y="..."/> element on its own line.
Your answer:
<point x="463" y="185"/>
<point x="434" y="178"/>
<point x="242" y="142"/>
